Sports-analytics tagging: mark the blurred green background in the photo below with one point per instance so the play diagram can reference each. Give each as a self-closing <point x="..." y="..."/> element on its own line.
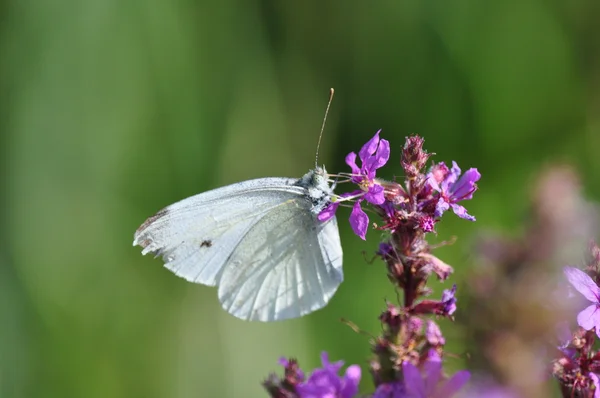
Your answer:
<point x="111" y="110"/>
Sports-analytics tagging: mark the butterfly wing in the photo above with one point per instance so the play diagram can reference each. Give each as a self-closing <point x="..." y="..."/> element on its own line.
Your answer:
<point x="197" y="236"/>
<point x="289" y="264"/>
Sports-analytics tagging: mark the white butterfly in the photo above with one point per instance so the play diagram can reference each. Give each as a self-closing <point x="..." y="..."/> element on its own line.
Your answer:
<point x="259" y="241"/>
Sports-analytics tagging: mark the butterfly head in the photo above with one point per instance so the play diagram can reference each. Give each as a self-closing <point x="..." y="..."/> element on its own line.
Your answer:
<point x="318" y="189"/>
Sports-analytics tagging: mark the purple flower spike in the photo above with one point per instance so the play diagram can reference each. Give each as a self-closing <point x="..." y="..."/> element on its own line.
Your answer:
<point x="453" y="189"/>
<point x="431" y="384"/>
<point x="325" y="382"/>
<point x="588" y="318"/>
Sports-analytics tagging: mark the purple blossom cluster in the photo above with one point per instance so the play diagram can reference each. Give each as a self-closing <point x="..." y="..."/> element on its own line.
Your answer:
<point x="323" y="382"/>
<point x="419" y="203"/>
<point x="577" y="365"/>
<point x="408" y="355"/>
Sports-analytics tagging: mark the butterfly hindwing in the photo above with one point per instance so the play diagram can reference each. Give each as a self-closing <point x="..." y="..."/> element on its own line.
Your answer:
<point x="288" y="265"/>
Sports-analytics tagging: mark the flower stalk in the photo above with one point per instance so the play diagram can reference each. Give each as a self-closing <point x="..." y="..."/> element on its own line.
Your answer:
<point x="409" y="352"/>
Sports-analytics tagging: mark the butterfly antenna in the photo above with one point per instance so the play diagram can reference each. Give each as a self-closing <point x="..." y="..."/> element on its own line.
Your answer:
<point x="331" y="92"/>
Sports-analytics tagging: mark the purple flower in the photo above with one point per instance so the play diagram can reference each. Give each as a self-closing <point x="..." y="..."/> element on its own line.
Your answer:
<point x="445" y="307"/>
<point x="385" y="250"/>
<point x="326" y="383"/>
<point x="588" y="318"/>
<point x="390" y="390"/>
<point x="431" y="384"/>
<point x="426" y="223"/>
<point x="415" y="324"/>
<point x="434" y="334"/>
<point x="441" y="269"/>
<point x="449" y="301"/>
<point x="373" y="155"/>
<point x="293" y="373"/>
<point x="453" y="189"/>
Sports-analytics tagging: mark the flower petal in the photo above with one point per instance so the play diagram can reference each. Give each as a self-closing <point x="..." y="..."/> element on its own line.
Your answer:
<point x="359" y="221"/>
<point x="441" y="207"/>
<point x="453" y="175"/>
<point x="449" y="300"/>
<point x="587" y="318"/>
<point x="596" y="384"/>
<point x="583" y="283"/>
<point x="351" y="380"/>
<point x="461" y="212"/>
<point x="375" y="194"/>
<point x="432" y="181"/>
<point x="382" y="155"/>
<point x="328" y="212"/>
<point x="433" y="371"/>
<point x="465" y="186"/>
<point x="390" y="390"/>
<point x="433" y="334"/>
<point x="369" y="148"/>
<point x="452" y="386"/>
<point x="441" y="269"/>
<point x="415" y="387"/>
<point x="330" y="367"/>
<point x="351" y="161"/>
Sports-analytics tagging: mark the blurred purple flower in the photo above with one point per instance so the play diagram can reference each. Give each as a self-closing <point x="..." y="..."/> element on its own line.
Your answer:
<point x="431" y="384"/>
<point x="292" y="370"/>
<point x="385" y="250"/>
<point x="433" y="334"/>
<point x="588" y="318"/>
<point x="390" y="390"/>
<point x="440" y="268"/>
<point x="453" y="189"/>
<point x="449" y="300"/>
<point x="326" y="383"/>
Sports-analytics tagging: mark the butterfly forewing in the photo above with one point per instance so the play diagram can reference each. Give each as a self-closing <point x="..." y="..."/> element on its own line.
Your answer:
<point x="288" y="265"/>
<point x="196" y="235"/>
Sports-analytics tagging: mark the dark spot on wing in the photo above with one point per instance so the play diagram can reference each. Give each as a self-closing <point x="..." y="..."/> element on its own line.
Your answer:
<point x="206" y="243"/>
<point x="150" y="220"/>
